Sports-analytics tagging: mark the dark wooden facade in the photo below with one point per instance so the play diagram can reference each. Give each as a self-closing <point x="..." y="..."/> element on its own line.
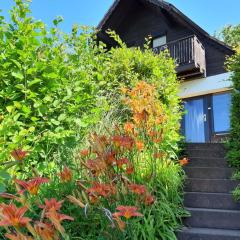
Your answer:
<point x="134" y="20"/>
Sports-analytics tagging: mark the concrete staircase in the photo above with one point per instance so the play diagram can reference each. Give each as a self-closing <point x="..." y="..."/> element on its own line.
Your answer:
<point x="214" y="214"/>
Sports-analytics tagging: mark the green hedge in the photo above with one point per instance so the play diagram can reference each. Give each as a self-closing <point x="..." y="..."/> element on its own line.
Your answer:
<point x="234" y="141"/>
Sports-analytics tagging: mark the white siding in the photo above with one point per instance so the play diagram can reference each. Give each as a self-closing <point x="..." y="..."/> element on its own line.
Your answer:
<point x="208" y="85"/>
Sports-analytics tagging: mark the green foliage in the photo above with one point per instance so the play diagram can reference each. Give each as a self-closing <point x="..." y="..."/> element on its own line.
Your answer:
<point x="231" y="35"/>
<point x="234" y="141"/>
<point x="130" y="65"/>
<point x="49" y="87"/>
<point x="236" y="175"/>
<point x="236" y="194"/>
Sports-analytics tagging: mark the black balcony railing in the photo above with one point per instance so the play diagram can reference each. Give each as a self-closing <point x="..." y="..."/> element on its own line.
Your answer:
<point x="189" y="55"/>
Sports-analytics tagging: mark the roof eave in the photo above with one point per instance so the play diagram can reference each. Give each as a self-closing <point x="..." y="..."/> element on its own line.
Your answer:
<point x="168" y="7"/>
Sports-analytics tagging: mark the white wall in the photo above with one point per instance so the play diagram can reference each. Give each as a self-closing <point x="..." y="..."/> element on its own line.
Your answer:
<point x="213" y="84"/>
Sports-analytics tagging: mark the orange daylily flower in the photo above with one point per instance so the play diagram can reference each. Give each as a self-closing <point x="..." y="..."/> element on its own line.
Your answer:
<point x="51" y="204"/>
<point x="184" y="161"/>
<point x="137" y="189"/>
<point x="110" y="157"/>
<point x="139" y="145"/>
<point x="45" y="231"/>
<point x="10" y="215"/>
<point x="127" y="212"/>
<point x="129" y="169"/>
<point x="19" y="154"/>
<point x="56" y="219"/>
<point x="84" y="152"/>
<point x="158" y="154"/>
<point x="100" y="189"/>
<point x="129" y="127"/>
<point x="122" y="161"/>
<point x="66" y="175"/>
<point x="32" y="186"/>
<point x="140" y="117"/>
<point x="152" y="133"/>
<point x="93" y="199"/>
<point x="18" y="236"/>
<point x="126" y="142"/>
<point x="96" y="166"/>
<point x="149" y="199"/>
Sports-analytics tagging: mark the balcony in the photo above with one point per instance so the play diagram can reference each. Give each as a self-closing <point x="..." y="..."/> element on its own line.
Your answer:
<point x="189" y="55"/>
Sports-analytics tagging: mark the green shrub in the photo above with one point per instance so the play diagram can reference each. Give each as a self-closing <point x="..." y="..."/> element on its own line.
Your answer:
<point x="49" y="88"/>
<point x="234" y="141"/>
<point x="127" y="66"/>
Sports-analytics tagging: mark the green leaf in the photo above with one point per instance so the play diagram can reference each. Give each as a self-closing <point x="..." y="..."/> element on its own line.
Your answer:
<point x="31" y="129"/>
<point x="4" y="175"/>
<point x="16" y="63"/>
<point x="55" y="122"/>
<point x="34" y="119"/>
<point x="2" y="188"/>
<point x="18" y="105"/>
<point x="26" y="109"/>
<point x="18" y="75"/>
<point x="57" y="20"/>
<point x="10" y="108"/>
<point x="35" y="81"/>
<point x="62" y="117"/>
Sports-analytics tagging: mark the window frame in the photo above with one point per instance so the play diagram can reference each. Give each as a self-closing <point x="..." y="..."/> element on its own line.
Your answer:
<point x="159" y="36"/>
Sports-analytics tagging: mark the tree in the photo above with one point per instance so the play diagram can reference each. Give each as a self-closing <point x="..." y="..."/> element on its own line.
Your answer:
<point x="231" y="35"/>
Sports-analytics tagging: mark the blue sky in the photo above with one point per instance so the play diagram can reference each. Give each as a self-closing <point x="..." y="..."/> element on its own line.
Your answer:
<point x="211" y="15"/>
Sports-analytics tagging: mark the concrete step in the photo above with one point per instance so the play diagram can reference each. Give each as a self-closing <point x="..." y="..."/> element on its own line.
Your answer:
<point x="210" y="185"/>
<point x="207" y="162"/>
<point x="210" y="200"/>
<point x="213" y="218"/>
<point x="206" y="153"/>
<point x="208" y="234"/>
<point x="209" y="172"/>
<point x="206" y="146"/>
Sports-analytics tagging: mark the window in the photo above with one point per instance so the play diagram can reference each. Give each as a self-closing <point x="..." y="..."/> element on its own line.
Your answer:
<point x="221" y="112"/>
<point x="159" y="41"/>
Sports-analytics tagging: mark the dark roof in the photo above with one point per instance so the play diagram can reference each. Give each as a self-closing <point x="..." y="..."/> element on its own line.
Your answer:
<point x="172" y="9"/>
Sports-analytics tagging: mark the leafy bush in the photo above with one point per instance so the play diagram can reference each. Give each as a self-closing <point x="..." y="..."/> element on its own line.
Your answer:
<point x="127" y="66"/>
<point x="234" y="141"/>
<point x="230" y="34"/>
<point x="49" y="85"/>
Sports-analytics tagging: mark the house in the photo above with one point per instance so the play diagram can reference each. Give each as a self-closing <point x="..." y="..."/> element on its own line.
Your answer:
<point x="205" y="86"/>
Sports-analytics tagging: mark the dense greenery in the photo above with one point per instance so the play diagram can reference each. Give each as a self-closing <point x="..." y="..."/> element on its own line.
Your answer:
<point x="231" y="35"/>
<point x="49" y="88"/>
<point x="234" y="142"/>
<point x="101" y="126"/>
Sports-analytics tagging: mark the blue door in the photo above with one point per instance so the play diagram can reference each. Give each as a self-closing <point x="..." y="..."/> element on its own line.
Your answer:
<point x="194" y="120"/>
